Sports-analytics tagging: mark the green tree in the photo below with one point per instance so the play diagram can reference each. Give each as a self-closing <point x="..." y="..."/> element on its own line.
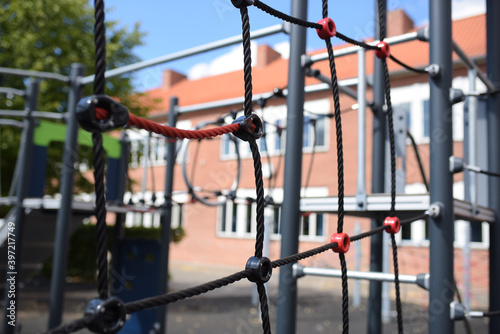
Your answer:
<point x="49" y="36"/>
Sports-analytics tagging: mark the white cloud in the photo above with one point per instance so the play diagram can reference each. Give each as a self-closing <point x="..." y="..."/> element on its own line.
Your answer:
<point x="283" y="48"/>
<point x="228" y="62"/>
<point x="466" y="8"/>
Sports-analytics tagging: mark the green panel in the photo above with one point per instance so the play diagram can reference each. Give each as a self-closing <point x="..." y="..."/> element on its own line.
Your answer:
<point x="47" y="132"/>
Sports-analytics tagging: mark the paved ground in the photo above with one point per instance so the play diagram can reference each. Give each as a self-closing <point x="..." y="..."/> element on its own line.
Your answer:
<point x="230" y="309"/>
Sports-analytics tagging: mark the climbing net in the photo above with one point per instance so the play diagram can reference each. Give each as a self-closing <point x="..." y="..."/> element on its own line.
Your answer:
<point x="98" y="113"/>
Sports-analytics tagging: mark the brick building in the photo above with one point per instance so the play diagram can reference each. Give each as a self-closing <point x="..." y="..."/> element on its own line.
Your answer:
<point x="224" y="234"/>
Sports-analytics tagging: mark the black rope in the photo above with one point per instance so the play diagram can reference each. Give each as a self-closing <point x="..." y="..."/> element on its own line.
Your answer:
<point x="355" y="42"/>
<point x="419" y="160"/>
<point x="259" y="188"/>
<point x="304" y="255"/>
<point x="391" y="136"/>
<point x="285" y="17"/>
<point x="408" y="67"/>
<point x="369" y="233"/>
<point x="487" y="173"/>
<point x="381" y="17"/>
<point x="99" y="79"/>
<point x="71" y="327"/>
<point x="264" y="308"/>
<point x="169" y="298"/>
<point x="247" y="59"/>
<point x="345" y="294"/>
<point x="338" y="124"/>
<point x="396" y="283"/>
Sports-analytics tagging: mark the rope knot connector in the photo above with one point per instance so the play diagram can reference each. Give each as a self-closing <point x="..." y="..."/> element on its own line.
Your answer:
<point x="343" y="242"/>
<point x="101" y="113"/>
<point x="383" y="50"/>
<point x="105" y="316"/>
<point x="251" y="127"/>
<point x="242" y="3"/>
<point x="261" y="267"/>
<point x="329" y="29"/>
<point x="393" y="223"/>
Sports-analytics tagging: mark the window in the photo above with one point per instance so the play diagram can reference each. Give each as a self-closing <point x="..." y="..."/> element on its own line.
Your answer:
<point x="153" y="219"/>
<point x="279" y="135"/>
<point x="263" y="139"/>
<point x="314" y="129"/>
<point x="237" y="218"/>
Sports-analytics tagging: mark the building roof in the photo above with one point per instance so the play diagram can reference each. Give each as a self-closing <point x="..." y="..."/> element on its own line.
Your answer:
<point x="469" y="33"/>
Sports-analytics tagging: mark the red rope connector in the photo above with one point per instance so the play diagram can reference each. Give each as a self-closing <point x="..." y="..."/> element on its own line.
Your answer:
<point x="343" y="242"/>
<point x="383" y="51"/>
<point x="329" y="29"/>
<point x="394" y="223"/>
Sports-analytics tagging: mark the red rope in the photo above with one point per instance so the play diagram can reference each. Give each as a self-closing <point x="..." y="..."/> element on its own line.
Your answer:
<point x="168" y="131"/>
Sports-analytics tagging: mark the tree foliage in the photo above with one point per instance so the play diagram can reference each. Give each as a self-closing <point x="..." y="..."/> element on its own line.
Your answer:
<point x="49" y="36"/>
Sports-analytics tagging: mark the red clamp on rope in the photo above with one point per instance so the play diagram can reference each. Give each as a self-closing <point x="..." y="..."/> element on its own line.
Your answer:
<point x="250" y="127"/>
<point x="117" y="114"/>
<point x="394" y="223"/>
<point x="242" y="3"/>
<point x="343" y="241"/>
<point x="329" y="29"/>
<point x="383" y="50"/>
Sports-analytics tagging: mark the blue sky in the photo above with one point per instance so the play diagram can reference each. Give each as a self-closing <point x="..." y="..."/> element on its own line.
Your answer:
<point x="172" y="26"/>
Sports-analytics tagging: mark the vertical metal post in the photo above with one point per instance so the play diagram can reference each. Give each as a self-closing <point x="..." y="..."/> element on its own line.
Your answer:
<point x="493" y="106"/>
<point x="374" y="321"/>
<point x="471" y="185"/>
<point x="287" y="299"/>
<point x="441" y="229"/>
<point x="356" y="300"/>
<point x="361" y="182"/>
<point x="66" y="188"/>
<point x="14" y="268"/>
<point x="166" y="218"/>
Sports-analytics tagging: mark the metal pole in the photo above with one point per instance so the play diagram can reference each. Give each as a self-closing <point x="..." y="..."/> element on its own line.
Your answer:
<point x="34" y="74"/>
<point x="189" y="52"/>
<point x="493" y="106"/>
<point x="441" y="186"/>
<point x="66" y="188"/>
<point x="287" y="299"/>
<point x="361" y="97"/>
<point x="473" y="66"/>
<point x="374" y="321"/>
<point x="15" y="237"/>
<point x="356" y="300"/>
<point x="166" y="218"/>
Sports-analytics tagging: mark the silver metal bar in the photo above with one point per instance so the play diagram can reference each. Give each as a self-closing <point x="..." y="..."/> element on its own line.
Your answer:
<point x="476" y="314"/>
<point x="371" y="276"/>
<point x="9" y="90"/>
<point x="255" y="97"/>
<point x="11" y="122"/>
<point x="353" y="49"/>
<point x="472" y="65"/>
<point x="34" y="74"/>
<point x="361" y="95"/>
<point x="186" y="53"/>
<point x="407" y="205"/>
<point x="36" y="114"/>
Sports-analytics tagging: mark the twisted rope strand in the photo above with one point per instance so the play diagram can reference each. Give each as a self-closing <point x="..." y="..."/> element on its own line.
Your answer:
<point x="247" y="59"/>
<point x="264" y="308"/>
<point x="98" y="152"/>
<point x="408" y="67"/>
<point x="391" y="136"/>
<point x="168" y="298"/>
<point x="345" y="295"/>
<point x="285" y="17"/>
<point x="259" y="188"/>
<point x="171" y="132"/>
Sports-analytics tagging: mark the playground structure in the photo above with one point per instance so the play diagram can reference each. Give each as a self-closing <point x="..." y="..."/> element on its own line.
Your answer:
<point x="290" y="205"/>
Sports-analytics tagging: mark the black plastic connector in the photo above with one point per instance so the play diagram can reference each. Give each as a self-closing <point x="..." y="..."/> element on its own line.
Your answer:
<point x="105" y="316"/>
<point x="251" y="127"/>
<point x="86" y="113"/>
<point x="242" y="3"/>
<point x="262" y="269"/>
